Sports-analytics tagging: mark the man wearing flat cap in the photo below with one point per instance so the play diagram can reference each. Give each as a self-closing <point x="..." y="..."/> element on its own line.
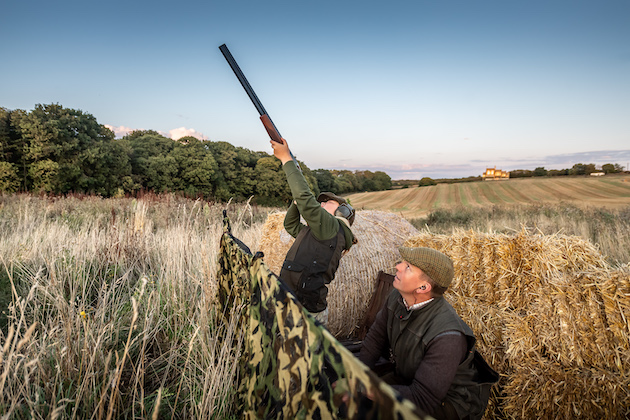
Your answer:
<point x="436" y="365"/>
<point x="313" y="259"/>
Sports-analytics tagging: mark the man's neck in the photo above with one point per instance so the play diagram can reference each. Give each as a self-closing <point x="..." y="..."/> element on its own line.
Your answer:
<point x="412" y="300"/>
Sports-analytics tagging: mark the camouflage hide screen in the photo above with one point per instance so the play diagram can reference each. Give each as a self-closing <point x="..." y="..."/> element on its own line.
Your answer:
<point x="290" y="362"/>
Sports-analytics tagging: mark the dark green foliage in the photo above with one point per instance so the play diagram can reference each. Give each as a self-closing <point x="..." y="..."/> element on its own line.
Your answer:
<point x="5" y="298"/>
<point x="197" y="168"/>
<point x="521" y="173"/>
<point x="441" y="218"/>
<point x="235" y="177"/>
<point x="325" y="180"/>
<point x="149" y="158"/>
<point x="557" y="172"/>
<point x="272" y="187"/>
<point x="63" y="145"/>
<point x="609" y="168"/>
<point x="582" y="169"/>
<point x="347" y="181"/>
<point x="12" y="152"/>
<point x="424" y="182"/>
<point x="9" y="180"/>
<point x="540" y="171"/>
<point x="382" y="181"/>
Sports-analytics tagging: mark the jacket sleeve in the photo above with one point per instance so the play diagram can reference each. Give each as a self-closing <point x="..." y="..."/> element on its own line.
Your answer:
<point x="323" y="224"/>
<point x="376" y="342"/>
<point x="292" y="222"/>
<point x="436" y="372"/>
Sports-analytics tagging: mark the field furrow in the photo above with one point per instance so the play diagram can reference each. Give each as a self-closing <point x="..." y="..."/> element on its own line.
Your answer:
<point x="488" y="191"/>
<point x="459" y="196"/>
<point x="605" y="188"/>
<point x="515" y="192"/>
<point x="561" y="192"/>
<point x="612" y="191"/>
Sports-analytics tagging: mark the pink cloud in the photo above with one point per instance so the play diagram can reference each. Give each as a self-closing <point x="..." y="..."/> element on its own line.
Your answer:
<point x="178" y="133"/>
<point x="120" y="131"/>
<point x="175" y="134"/>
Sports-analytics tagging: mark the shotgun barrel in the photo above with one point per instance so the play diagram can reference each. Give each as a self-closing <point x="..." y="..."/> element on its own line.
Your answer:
<point x="264" y="116"/>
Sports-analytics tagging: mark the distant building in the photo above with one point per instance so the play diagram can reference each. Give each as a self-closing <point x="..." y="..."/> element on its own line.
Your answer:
<point x="494" y="174"/>
<point x="597" y="174"/>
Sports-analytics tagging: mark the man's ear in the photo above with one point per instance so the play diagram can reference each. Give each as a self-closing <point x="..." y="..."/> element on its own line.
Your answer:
<point x="425" y="288"/>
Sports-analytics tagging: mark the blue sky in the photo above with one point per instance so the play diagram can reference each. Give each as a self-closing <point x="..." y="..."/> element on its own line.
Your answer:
<point x="414" y="88"/>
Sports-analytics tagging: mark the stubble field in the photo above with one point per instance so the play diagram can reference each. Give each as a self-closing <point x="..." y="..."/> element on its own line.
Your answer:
<point x="610" y="191"/>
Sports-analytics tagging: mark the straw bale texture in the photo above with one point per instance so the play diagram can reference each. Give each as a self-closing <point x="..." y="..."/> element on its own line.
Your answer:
<point x="379" y="235"/>
<point x="550" y="316"/>
<point x="553" y="391"/>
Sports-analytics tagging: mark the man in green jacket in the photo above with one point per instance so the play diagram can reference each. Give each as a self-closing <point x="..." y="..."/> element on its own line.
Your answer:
<point x="436" y="365"/>
<point x="313" y="259"/>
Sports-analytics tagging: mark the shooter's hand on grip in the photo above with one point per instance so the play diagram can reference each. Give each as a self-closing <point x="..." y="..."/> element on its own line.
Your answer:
<point x="281" y="150"/>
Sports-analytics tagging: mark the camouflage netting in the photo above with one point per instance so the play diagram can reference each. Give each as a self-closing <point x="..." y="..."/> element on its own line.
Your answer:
<point x="550" y="316"/>
<point x="290" y="362"/>
<point x="379" y="235"/>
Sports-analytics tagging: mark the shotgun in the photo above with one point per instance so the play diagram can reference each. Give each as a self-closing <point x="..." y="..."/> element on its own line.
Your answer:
<point x="264" y="116"/>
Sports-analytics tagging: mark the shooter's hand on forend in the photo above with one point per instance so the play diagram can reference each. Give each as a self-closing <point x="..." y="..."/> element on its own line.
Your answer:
<point x="281" y="150"/>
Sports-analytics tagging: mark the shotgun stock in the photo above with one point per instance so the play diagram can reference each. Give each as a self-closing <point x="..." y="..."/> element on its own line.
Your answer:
<point x="264" y="116"/>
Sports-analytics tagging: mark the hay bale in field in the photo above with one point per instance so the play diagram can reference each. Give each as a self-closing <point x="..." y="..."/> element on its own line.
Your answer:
<point x="379" y="235"/>
<point x="503" y="269"/>
<point x="550" y="315"/>
<point x="559" y="286"/>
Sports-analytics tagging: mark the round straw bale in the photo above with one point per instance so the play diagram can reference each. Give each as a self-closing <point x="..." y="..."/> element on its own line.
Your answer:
<point x="379" y="235"/>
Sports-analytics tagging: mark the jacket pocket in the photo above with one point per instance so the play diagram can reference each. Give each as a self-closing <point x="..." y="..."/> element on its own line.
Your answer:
<point x="311" y="288"/>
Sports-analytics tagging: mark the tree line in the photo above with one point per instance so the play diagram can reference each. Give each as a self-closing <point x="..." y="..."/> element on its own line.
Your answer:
<point x="577" y="169"/>
<point x="57" y="150"/>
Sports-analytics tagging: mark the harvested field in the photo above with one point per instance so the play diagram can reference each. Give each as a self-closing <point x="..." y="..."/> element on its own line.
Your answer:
<point x="611" y="191"/>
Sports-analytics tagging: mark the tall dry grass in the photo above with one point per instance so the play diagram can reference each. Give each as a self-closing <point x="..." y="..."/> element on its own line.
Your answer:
<point x="108" y="308"/>
<point x="608" y="229"/>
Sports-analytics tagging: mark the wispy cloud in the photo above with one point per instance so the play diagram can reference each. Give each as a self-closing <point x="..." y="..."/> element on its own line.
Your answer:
<point x="178" y="133"/>
<point x="120" y="131"/>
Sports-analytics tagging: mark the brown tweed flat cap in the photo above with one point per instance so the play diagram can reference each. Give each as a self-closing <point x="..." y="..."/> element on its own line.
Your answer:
<point x="325" y="196"/>
<point x="437" y="265"/>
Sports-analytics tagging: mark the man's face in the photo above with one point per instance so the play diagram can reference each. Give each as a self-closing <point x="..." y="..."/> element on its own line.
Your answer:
<point x="408" y="277"/>
<point x="330" y="206"/>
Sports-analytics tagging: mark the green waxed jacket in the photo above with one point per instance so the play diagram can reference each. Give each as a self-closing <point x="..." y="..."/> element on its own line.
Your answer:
<point x="323" y="224"/>
<point x="410" y="332"/>
<point x="313" y="259"/>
